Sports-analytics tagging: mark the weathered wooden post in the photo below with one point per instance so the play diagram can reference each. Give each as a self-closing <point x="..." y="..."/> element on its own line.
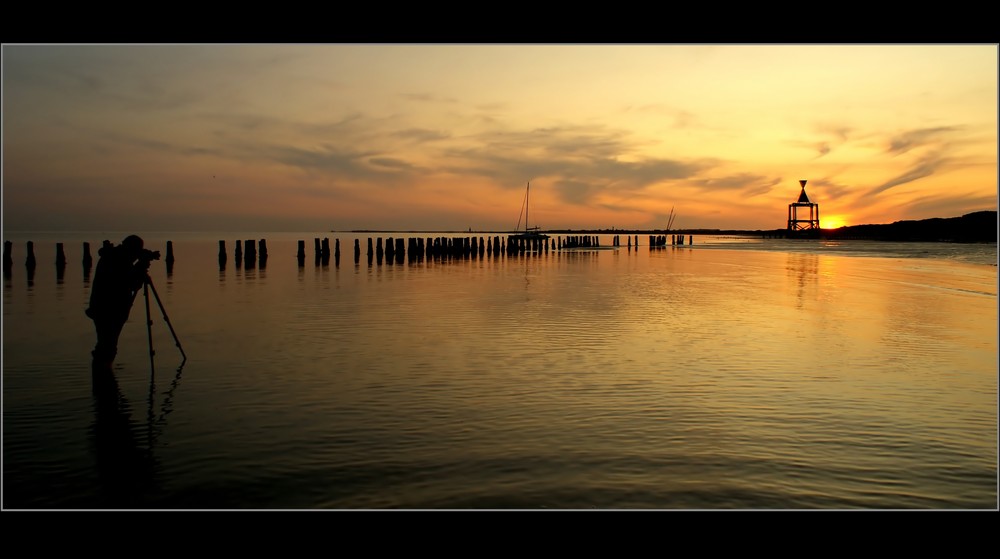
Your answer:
<point x="29" y="262"/>
<point x="301" y="255"/>
<point x="60" y="256"/>
<point x="412" y="248"/>
<point x="88" y="260"/>
<point x="357" y="251"/>
<point x="8" y="260"/>
<point x="336" y="254"/>
<point x="60" y="262"/>
<point x="222" y="255"/>
<point x="262" y="253"/>
<point x="239" y="253"/>
<point x="169" y="260"/>
<point x="378" y="250"/>
<point x="390" y="250"/>
<point x="400" y="250"/>
<point x="250" y="253"/>
<point x="326" y="250"/>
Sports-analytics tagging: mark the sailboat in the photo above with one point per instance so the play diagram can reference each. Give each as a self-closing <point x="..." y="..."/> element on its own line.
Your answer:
<point x="528" y="232"/>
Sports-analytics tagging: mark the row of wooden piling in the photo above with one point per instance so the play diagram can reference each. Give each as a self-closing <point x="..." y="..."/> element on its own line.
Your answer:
<point x="31" y="262"/>
<point x="251" y="251"/>
<point x="661" y="240"/>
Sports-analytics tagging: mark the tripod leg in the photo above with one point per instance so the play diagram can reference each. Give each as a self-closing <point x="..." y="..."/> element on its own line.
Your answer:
<point x="149" y="330"/>
<point x="166" y="318"/>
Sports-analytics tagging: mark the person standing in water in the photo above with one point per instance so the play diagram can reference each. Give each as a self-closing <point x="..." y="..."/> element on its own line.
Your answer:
<point x="120" y="273"/>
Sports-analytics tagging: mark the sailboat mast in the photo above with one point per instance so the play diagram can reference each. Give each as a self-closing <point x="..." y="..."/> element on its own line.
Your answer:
<point x="526" y="193"/>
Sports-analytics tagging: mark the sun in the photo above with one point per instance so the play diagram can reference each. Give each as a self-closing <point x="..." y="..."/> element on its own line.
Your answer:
<point x="833" y="222"/>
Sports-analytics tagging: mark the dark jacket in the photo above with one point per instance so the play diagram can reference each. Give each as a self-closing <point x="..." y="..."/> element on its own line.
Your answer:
<point x="116" y="280"/>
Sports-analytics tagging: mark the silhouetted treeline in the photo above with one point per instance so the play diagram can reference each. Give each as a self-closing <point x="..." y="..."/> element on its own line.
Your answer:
<point x="976" y="227"/>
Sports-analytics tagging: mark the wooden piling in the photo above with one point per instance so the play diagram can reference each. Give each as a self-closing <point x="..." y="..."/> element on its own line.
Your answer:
<point x="60" y="256"/>
<point x="8" y="260"/>
<point x="413" y="246"/>
<point x="88" y="260"/>
<point x="400" y="250"/>
<point x="336" y="253"/>
<point x="60" y="262"/>
<point x="250" y="253"/>
<point x="29" y="262"/>
<point x="357" y="250"/>
<point x="170" y="253"/>
<point x="301" y="254"/>
<point x="222" y="255"/>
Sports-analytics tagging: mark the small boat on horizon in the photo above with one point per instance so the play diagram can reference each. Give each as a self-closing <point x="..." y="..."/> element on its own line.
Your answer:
<point x="528" y="232"/>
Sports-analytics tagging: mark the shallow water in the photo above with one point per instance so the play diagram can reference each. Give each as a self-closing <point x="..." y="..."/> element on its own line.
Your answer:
<point x="731" y="374"/>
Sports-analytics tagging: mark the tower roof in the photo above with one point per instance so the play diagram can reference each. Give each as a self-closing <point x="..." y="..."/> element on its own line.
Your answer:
<point x="803" y="199"/>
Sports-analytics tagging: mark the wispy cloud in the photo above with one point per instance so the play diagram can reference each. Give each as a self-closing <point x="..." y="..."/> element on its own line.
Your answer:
<point x="924" y="167"/>
<point x="912" y="139"/>
<point x="745" y="183"/>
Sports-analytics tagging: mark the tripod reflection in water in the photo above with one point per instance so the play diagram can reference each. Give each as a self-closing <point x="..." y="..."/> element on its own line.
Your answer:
<point x="126" y="461"/>
<point x="126" y="465"/>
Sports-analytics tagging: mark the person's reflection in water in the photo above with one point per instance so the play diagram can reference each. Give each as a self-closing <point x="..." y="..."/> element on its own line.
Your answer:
<point x="125" y="467"/>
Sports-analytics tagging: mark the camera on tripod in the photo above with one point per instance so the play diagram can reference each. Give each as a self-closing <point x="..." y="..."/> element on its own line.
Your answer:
<point x="149" y="255"/>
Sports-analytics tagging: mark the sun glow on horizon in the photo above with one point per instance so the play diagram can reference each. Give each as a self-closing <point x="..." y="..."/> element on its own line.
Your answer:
<point x="833" y="222"/>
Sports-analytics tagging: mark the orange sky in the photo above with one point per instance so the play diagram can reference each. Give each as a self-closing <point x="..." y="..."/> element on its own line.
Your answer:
<point x="429" y="137"/>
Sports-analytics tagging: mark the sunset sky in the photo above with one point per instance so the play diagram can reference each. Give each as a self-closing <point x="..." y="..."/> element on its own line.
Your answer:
<point x="446" y="136"/>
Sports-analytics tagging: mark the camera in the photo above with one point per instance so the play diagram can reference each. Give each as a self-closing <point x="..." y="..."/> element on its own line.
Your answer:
<point x="149" y="255"/>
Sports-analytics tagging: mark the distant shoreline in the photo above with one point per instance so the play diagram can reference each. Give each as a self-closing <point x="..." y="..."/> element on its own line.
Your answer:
<point x="977" y="227"/>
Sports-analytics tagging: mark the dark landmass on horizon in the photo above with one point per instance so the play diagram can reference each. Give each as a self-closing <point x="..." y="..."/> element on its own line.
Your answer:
<point x="976" y="227"/>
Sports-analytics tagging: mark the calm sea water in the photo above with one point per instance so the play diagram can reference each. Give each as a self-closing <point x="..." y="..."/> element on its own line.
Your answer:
<point x="731" y="374"/>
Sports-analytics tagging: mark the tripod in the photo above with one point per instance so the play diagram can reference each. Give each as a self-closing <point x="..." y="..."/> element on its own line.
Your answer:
<point x="147" y="284"/>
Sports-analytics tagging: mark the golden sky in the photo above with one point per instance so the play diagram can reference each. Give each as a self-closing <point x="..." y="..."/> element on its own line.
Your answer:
<point x="272" y="137"/>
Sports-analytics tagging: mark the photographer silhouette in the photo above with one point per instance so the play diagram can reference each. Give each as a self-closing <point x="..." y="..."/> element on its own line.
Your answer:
<point x="121" y="272"/>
